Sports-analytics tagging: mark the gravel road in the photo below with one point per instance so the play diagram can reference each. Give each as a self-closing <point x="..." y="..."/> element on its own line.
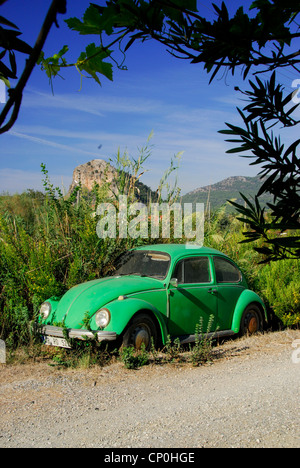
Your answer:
<point x="248" y="397"/>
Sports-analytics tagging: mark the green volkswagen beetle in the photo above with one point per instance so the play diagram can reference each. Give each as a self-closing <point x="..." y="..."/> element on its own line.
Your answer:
<point x="154" y="292"/>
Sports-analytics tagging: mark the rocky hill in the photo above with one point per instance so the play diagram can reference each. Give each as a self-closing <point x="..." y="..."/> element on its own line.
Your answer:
<point x="214" y="196"/>
<point x="228" y="189"/>
<point x="102" y="172"/>
<point x="98" y="171"/>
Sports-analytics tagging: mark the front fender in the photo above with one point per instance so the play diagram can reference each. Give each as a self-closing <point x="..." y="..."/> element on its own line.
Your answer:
<point x="246" y="298"/>
<point x="122" y="311"/>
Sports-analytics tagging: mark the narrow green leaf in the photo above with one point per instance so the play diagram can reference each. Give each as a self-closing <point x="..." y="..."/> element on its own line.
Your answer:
<point x="7" y="22"/>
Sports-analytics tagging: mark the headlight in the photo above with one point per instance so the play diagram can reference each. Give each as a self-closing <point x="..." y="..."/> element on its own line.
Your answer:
<point x="45" y="310"/>
<point x="102" y="318"/>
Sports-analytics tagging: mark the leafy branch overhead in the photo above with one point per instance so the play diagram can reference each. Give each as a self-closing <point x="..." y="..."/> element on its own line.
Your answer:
<point x="10" y="43"/>
<point x="240" y="41"/>
<point x="280" y="169"/>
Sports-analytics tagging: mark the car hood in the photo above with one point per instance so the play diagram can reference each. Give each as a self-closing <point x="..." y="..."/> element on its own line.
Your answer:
<point x="92" y="295"/>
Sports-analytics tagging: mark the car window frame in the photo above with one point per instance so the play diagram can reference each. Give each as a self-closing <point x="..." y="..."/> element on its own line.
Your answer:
<point x="198" y="283"/>
<point x="228" y="260"/>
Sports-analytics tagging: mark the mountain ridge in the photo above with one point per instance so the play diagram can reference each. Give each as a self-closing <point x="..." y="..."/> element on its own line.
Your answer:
<point x="213" y="196"/>
<point x="216" y="195"/>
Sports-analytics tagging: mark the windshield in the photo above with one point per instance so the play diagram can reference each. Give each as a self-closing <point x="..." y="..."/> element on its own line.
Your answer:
<point x="143" y="263"/>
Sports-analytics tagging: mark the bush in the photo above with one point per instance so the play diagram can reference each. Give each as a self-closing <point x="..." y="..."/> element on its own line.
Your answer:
<point x="201" y="352"/>
<point x="279" y="283"/>
<point x="49" y="243"/>
<point x="132" y="358"/>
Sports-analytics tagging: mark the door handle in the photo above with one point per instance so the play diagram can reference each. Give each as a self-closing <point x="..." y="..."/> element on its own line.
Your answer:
<point x="212" y="290"/>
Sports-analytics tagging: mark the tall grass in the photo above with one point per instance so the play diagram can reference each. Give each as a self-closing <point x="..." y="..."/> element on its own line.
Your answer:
<point x="49" y="243"/>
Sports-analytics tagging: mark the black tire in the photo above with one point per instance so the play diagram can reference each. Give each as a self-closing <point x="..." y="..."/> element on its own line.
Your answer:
<point x="141" y="329"/>
<point x="252" y="321"/>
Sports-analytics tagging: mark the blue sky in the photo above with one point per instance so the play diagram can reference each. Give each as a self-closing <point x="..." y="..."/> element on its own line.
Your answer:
<point x="158" y="93"/>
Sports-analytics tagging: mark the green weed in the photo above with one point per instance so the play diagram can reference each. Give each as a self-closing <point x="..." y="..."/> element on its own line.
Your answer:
<point x="132" y="358"/>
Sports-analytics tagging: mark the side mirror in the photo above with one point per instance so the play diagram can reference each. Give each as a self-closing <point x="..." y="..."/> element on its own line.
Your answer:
<point x="174" y="282"/>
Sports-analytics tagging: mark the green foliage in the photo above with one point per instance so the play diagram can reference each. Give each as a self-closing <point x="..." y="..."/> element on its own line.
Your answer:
<point x="10" y="43"/>
<point x="172" y="349"/>
<point x="280" y="170"/>
<point x="276" y="282"/>
<point x="173" y="352"/>
<point x="263" y="39"/>
<point x="51" y="65"/>
<point x="49" y="243"/>
<point x="47" y="246"/>
<point x="202" y="350"/>
<point x="84" y="354"/>
<point x="243" y="40"/>
<point x="132" y="358"/>
<point x="279" y="283"/>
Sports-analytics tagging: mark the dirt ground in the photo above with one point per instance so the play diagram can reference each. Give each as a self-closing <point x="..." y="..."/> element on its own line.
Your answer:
<point x="248" y="396"/>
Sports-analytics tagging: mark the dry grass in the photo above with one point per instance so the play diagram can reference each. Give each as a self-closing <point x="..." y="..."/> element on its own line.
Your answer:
<point x="24" y="367"/>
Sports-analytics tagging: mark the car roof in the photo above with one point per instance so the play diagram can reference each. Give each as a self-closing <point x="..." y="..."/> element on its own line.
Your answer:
<point x="175" y="250"/>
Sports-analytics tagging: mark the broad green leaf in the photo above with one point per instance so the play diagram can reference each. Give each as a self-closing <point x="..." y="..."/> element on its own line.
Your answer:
<point x="92" y="62"/>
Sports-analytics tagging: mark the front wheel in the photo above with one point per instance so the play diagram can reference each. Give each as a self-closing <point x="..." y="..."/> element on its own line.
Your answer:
<point x="141" y="330"/>
<point x="251" y="321"/>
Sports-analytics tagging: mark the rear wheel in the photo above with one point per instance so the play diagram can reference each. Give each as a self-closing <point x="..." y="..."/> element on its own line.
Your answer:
<point x="141" y="330"/>
<point x="252" y="321"/>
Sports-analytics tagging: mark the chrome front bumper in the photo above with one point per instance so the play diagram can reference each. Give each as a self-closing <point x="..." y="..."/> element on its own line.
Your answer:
<point x="80" y="334"/>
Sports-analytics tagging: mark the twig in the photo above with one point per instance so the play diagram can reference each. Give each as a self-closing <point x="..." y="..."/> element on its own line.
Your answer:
<point x="16" y="94"/>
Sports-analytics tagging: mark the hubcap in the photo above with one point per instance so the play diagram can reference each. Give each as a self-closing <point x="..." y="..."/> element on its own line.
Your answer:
<point x="253" y="325"/>
<point x="141" y="336"/>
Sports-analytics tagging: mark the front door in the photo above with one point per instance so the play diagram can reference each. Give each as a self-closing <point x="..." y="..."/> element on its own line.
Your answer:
<point x="194" y="300"/>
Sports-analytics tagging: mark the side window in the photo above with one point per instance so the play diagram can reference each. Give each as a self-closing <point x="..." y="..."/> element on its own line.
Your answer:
<point x="226" y="272"/>
<point x="193" y="270"/>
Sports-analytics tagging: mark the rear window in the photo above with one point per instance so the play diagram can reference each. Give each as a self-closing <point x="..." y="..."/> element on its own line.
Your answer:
<point x="226" y="272"/>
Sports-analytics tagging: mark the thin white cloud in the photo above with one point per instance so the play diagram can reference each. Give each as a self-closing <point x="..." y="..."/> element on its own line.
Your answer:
<point x="51" y="143"/>
<point x="99" y="105"/>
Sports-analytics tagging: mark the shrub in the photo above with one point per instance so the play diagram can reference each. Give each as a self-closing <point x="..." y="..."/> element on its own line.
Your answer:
<point x="132" y="358"/>
<point x="279" y="283"/>
<point x="201" y="351"/>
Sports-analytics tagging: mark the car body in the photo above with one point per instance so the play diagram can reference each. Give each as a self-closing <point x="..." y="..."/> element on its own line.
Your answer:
<point x="156" y="292"/>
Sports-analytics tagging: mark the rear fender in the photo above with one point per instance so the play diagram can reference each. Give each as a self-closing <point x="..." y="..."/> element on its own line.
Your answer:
<point x="246" y="298"/>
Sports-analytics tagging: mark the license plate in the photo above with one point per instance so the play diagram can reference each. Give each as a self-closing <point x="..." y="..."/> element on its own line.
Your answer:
<point x="55" y="341"/>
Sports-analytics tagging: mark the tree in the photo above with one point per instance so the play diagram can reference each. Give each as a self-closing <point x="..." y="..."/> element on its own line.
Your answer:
<point x="11" y="43"/>
<point x="264" y="42"/>
<point x="260" y="41"/>
<point x="280" y="170"/>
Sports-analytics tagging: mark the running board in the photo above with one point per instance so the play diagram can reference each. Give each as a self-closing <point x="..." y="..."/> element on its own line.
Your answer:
<point x="217" y="334"/>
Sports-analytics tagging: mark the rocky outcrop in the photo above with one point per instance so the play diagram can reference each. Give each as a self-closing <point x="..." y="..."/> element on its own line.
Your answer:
<point x="98" y="171"/>
<point x="102" y="172"/>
